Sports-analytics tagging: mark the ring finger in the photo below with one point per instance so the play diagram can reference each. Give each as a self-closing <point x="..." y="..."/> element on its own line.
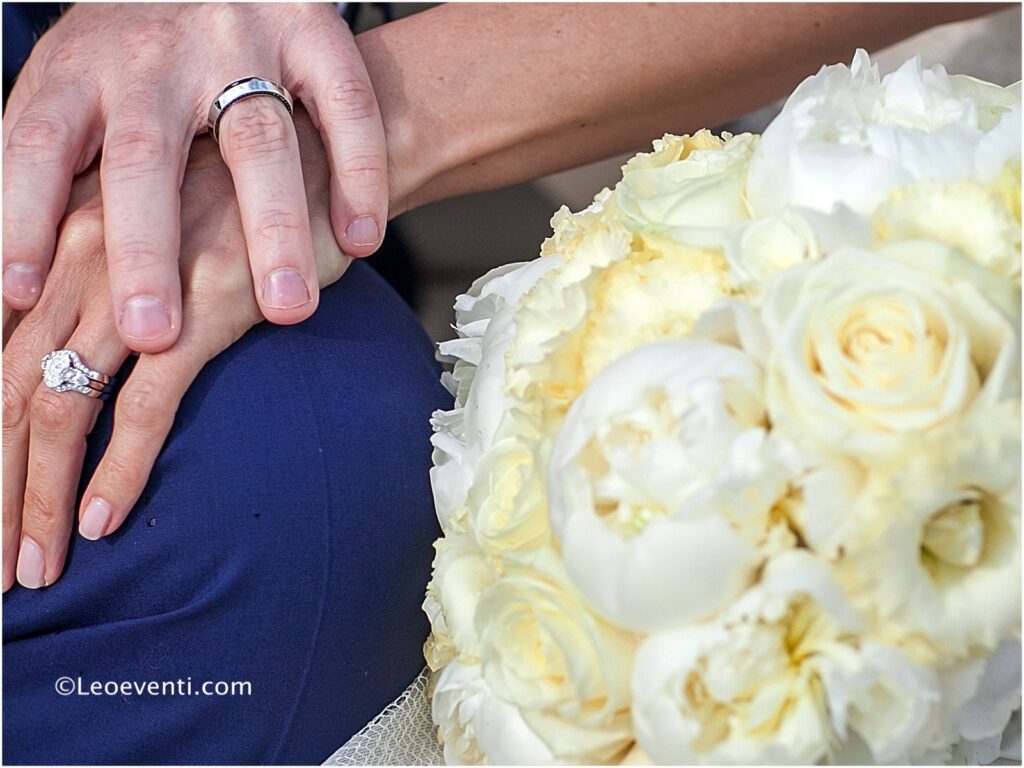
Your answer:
<point x="58" y="425"/>
<point x="259" y="144"/>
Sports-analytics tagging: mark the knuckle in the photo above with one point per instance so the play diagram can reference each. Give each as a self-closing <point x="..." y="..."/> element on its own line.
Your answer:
<point x="278" y="225"/>
<point x="256" y="129"/>
<point x="49" y="412"/>
<point x="144" y="405"/>
<point x="121" y="473"/>
<point x="152" y="38"/>
<point x="351" y="99"/>
<point x="135" y="151"/>
<point x="365" y="168"/>
<point x="40" y="138"/>
<point x="81" y="231"/>
<point x="134" y="256"/>
<point x="16" y="403"/>
<point x="42" y="509"/>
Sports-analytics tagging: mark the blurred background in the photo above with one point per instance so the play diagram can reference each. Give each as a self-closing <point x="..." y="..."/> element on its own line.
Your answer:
<point x="433" y="253"/>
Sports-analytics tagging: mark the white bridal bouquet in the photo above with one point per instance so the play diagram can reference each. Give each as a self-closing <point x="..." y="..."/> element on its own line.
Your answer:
<point x="733" y="473"/>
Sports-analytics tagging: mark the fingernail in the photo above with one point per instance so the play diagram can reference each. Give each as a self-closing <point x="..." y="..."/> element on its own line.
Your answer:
<point x="22" y="283"/>
<point x="362" y="231"/>
<point x="285" y="289"/>
<point x="31" y="569"/>
<point x="95" y="519"/>
<point x="145" y="317"/>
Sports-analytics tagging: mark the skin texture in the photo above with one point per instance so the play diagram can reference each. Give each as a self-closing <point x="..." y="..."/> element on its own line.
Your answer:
<point x="456" y="122"/>
<point x="79" y="95"/>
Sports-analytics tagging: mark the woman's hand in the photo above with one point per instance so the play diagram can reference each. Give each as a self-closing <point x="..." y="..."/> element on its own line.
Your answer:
<point x="44" y="431"/>
<point x="136" y="81"/>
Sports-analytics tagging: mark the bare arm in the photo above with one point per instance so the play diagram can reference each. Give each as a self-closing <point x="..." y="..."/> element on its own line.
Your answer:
<point x="476" y="97"/>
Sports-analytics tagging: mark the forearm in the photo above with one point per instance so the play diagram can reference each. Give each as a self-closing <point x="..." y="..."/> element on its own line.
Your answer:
<point x="476" y="97"/>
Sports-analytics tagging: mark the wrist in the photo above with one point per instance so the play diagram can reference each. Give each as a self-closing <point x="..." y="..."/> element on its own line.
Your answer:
<point x="424" y="138"/>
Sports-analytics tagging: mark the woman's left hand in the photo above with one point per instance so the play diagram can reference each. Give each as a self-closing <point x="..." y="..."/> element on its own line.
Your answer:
<point x="44" y="431"/>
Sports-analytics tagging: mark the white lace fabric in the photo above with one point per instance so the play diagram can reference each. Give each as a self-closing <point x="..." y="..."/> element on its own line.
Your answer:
<point x="403" y="734"/>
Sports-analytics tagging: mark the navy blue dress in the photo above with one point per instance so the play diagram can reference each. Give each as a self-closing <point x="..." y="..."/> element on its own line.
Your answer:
<point x="283" y="541"/>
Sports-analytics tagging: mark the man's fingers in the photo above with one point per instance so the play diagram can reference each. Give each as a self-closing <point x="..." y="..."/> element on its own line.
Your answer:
<point x="258" y="142"/>
<point x="55" y="137"/>
<point x="144" y="415"/>
<point x="143" y="161"/>
<point x="338" y="92"/>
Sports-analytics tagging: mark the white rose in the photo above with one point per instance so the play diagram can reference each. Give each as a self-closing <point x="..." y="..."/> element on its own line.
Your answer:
<point x="461" y="572"/>
<point x="506" y="504"/>
<point x="847" y="136"/>
<point x="661" y="482"/>
<point x="476" y="727"/>
<point x="870" y="348"/>
<point x="759" y="248"/>
<point x="781" y="677"/>
<point x="565" y="669"/>
<point x="689" y="189"/>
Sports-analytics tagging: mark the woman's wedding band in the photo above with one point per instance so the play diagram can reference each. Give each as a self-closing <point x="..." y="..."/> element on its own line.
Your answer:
<point x="245" y="88"/>
<point x="64" y="371"/>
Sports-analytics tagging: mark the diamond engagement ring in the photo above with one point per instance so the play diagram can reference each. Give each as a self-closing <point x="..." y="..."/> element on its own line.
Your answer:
<point x="245" y="88"/>
<point x="64" y="371"/>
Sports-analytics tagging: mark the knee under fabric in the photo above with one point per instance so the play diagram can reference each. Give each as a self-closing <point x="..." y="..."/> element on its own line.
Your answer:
<point x="283" y="542"/>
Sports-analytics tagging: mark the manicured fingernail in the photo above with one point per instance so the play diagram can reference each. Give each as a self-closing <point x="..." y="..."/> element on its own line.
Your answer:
<point x="145" y="317"/>
<point x="285" y="289"/>
<point x="362" y="231"/>
<point x="95" y="519"/>
<point x="22" y="283"/>
<point x="31" y="568"/>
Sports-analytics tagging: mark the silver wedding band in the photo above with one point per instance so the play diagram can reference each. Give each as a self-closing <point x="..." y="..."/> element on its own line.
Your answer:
<point x="234" y="92"/>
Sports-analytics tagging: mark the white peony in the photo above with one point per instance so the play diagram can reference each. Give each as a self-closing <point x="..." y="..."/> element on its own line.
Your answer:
<point x="781" y="677"/>
<point x="662" y="482"/>
<point x="484" y="321"/>
<point x="930" y="550"/>
<point x="847" y="136"/>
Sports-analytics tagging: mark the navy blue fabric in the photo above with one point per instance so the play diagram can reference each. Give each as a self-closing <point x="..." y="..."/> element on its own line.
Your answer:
<point x="284" y="539"/>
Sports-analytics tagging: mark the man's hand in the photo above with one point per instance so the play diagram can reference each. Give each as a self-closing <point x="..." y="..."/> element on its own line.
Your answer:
<point x="44" y="432"/>
<point x="136" y="81"/>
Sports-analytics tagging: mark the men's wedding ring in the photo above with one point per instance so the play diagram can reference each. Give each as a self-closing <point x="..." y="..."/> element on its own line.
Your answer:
<point x="245" y="88"/>
<point x="64" y="371"/>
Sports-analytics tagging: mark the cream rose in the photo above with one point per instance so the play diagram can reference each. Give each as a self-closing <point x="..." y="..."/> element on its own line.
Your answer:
<point x="847" y="136"/>
<point x="781" y="677"/>
<point x="506" y="505"/>
<point x="662" y="481"/>
<point x="689" y="189"/>
<point x="565" y="669"/>
<point x="872" y="347"/>
<point x="758" y="249"/>
<point x="461" y="573"/>
<point x="478" y="728"/>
